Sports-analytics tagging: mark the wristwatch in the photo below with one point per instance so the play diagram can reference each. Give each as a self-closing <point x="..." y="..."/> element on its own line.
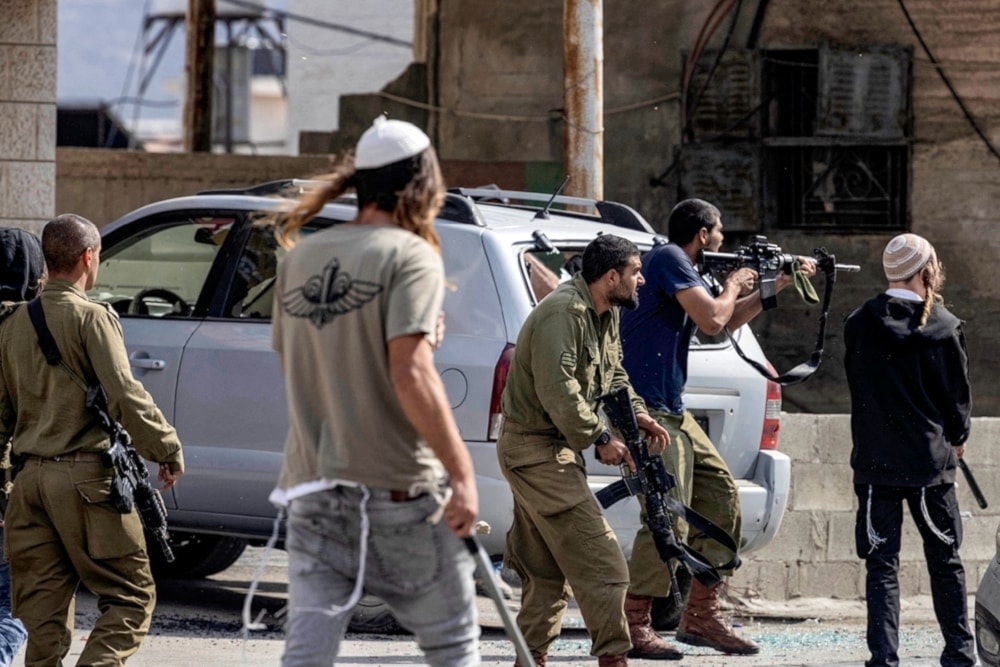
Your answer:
<point x="603" y="439"/>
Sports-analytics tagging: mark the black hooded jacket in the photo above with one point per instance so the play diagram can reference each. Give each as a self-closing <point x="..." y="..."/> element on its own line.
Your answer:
<point x="910" y="394"/>
<point x="21" y="264"/>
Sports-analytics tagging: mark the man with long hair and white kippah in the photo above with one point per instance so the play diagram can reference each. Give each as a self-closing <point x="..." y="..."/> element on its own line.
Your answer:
<point x="377" y="479"/>
<point x="908" y="373"/>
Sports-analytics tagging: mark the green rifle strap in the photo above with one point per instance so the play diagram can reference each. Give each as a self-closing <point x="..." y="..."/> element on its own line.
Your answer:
<point x="802" y="285"/>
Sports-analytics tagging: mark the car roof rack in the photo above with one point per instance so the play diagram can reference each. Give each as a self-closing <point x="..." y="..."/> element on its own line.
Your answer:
<point x="284" y="186"/>
<point x="609" y="212"/>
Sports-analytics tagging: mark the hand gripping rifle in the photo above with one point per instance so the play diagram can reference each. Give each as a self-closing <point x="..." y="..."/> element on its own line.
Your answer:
<point x="652" y="481"/>
<point x="769" y="261"/>
<point x="130" y="485"/>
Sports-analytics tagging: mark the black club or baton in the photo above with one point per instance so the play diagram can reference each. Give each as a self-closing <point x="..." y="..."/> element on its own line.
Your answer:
<point x="973" y="486"/>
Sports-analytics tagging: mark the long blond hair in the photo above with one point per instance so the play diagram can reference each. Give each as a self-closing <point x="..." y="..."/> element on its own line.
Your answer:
<point x="932" y="276"/>
<point x="413" y="207"/>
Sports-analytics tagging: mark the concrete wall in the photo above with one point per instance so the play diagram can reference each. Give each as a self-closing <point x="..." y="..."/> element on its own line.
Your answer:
<point x="813" y="553"/>
<point x="497" y="74"/>
<point x="102" y="185"/>
<point x="27" y="112"/>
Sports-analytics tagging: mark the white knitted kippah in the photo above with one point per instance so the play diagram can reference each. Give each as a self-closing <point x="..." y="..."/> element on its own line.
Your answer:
<point x="388" y="141"/>
<point x="905" y="255"/>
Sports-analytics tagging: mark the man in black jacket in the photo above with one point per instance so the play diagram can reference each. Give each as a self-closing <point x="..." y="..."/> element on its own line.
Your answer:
<point x="907" y="369"/>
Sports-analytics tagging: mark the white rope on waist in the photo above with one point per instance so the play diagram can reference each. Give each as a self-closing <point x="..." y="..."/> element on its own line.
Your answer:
<point x="944" y="537"/>
<point x="873" y="537"/>
<point x="333" y="610"/>
<point x="359" y="581"/>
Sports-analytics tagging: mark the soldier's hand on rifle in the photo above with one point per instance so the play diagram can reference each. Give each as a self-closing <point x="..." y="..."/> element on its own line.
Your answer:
<point x="657" y="437"/>
<point x="614" y="453"/>
<point x="168" y="477"/>
<point x="744" y="278"/>
<point x="807" y="267"/>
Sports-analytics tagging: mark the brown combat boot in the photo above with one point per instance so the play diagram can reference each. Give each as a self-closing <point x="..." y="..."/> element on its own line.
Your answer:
<point x="702" y="623"/>
<point x="540" y="661"/>
<point x="646" y="643"/>
<point x="612" y="661"/>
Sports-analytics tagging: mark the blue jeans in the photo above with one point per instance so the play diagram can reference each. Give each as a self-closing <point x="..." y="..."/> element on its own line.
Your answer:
<point x="421" y="570"/>
<point x="12" y="632"/>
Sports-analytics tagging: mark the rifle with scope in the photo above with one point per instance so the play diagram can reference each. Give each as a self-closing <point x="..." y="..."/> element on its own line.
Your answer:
<point x="769" y="261"/>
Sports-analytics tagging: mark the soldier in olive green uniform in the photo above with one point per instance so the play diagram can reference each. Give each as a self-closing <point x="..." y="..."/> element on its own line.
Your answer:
<point x="568" y="353"/>
<point x="61" y="529"/>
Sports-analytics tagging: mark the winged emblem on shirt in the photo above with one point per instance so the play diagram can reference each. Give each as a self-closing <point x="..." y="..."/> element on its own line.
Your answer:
<point x="329" y="294"/>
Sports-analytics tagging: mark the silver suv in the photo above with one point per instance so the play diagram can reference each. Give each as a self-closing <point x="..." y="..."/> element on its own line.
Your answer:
<point x="192" y="278"/>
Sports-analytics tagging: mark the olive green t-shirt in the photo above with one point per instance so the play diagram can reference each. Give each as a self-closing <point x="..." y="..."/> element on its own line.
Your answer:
<point x="341" y="295"/>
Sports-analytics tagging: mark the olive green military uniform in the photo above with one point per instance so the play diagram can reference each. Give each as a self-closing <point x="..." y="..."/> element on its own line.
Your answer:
<point x="703" y="483"/>
<point x="566" y="356"/>
<point x="61" y="530"/>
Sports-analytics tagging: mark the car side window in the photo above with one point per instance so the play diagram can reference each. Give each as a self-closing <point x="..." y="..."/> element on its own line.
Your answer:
<point x="253" y="285"/>
<point x="161" y="272"/>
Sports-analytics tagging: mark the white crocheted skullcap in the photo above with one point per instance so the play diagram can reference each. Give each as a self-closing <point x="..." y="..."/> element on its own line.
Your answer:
<point x="388" y="141"/>
<point x="905" y="255"/>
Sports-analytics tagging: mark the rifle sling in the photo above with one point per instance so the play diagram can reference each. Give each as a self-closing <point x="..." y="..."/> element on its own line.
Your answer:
<point x="803" y="371"/>
<point x="52" y="354"/>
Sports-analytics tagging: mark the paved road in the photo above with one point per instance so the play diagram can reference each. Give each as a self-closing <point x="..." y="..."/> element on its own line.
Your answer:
<point x="198" y="623"/>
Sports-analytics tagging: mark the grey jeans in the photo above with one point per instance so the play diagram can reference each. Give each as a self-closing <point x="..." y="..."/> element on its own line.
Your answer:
<point x="421" y="570"/>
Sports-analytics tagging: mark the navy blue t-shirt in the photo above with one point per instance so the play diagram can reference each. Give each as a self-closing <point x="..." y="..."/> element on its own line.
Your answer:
<point x="657" y="334"/>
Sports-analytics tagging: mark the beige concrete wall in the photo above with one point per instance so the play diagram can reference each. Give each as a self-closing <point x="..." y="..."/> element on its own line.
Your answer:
<point x="27" y="112"/>
<point x="813" y="553"/>
<point x="102" y="185"/>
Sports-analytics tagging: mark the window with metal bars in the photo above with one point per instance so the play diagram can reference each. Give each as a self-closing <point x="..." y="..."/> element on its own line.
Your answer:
<point x="825" y="142"/>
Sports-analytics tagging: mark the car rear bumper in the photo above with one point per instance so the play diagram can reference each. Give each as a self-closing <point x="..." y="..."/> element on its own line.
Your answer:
<point x="763" y="500"/>
<point x="987" y="609"/>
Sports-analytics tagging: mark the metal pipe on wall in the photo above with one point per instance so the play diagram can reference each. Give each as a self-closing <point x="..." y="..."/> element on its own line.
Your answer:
<point x="583" y="93"/>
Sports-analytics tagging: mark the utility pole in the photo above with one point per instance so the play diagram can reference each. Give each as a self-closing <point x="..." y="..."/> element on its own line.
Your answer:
<point x="198" y="60"/>
<point x="583" y="93"/>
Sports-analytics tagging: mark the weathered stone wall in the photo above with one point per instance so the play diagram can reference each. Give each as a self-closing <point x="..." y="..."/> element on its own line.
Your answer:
<point x="27" y="112"/>
<point x="813" y="553"/>
<point x="498" y="75"/>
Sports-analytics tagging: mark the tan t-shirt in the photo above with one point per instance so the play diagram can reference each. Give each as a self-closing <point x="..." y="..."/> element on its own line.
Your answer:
<point x="341" y="295"/>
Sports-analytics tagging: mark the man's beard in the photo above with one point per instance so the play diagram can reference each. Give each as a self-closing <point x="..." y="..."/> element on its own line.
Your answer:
<point x="631" y="301"/>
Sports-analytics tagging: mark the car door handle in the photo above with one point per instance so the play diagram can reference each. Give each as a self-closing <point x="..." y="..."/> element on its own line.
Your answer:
<point x="149" y="364"/>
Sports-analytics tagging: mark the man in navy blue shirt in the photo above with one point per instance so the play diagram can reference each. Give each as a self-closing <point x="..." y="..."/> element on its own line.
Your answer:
<point x="674" y="301"/>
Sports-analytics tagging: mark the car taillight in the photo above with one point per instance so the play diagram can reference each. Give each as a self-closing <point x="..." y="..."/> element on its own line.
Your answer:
<point x="499" y="382"/>
<point x="772" y="414"/>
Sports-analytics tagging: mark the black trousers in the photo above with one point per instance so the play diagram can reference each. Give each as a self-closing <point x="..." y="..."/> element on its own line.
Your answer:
<point x="877" y="533"/>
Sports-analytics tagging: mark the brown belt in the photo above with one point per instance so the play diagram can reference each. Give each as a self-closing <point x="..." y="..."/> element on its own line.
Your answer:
<point x="72" y="457"/>
<point x="401" y="496"/>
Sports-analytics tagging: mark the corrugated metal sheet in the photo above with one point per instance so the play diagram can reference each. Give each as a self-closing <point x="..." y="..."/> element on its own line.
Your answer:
<point x="726" y="104"/>
<point x="728" y="175"/>
<point x="864" y="92"/>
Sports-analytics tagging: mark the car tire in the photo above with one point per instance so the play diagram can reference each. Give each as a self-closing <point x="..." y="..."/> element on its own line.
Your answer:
<point x="371" y="615"/>
<point x="666" y="615"/>
<point x="195" y="555"/>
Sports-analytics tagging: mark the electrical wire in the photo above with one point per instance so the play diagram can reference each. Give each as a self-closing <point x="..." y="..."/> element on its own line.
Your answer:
<point x="688" y="132"/>
<point x="555" y="113"/>
<point x="947" y="82"/>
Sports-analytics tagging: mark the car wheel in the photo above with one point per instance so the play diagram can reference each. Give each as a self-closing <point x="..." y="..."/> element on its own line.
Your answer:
<point x="666" y="614"/>
<point x="371" y="615"/>
<point x="195" y="555"/>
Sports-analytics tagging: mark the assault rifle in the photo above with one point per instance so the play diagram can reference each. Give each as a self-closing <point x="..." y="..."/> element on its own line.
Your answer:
<point x="652" y="481"/>
<point x="130" y="485"/>
<point x="768" y="261"/>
